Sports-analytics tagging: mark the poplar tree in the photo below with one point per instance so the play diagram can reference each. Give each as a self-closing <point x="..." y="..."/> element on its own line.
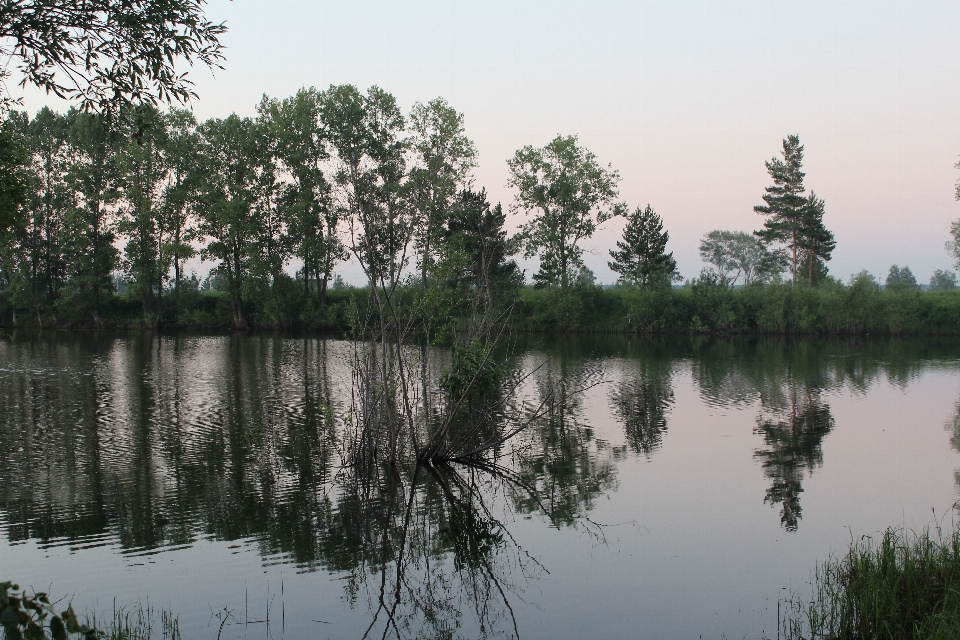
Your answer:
<point x="785" y="205"/>
<point x="568" y="194"/>
<point x="641" y="257"/>
<point x="443" y="158"/>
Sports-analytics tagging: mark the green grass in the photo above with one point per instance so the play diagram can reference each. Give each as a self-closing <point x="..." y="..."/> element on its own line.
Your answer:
<point x="902" y="586"/>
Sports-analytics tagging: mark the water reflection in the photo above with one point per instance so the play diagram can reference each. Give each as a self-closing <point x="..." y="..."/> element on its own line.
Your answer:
<point x="793" y="437"/>
<point x="151" y="444"/>
<point x="642" y="398"/>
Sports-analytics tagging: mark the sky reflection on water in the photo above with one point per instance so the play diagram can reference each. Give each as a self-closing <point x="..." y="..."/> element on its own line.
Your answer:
<point x="669" y="489"/>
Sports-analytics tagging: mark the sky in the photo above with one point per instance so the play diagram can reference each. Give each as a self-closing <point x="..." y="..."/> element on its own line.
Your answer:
<point x="685" y="99"/>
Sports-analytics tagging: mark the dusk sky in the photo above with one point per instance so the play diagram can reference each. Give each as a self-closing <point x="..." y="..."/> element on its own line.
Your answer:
<point x="685" y="99"/>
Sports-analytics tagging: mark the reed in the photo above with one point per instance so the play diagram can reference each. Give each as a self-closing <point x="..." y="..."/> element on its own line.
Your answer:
<point x="900" y="586"/>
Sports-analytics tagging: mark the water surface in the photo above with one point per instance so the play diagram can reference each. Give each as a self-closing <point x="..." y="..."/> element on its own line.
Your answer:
<point x="670" y="489"/>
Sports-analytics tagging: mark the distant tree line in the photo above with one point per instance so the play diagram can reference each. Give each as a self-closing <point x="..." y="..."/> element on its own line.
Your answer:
<point x="277" y="201"/>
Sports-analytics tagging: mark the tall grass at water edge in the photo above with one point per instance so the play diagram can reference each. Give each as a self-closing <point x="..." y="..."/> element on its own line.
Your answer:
<point x="900" y="586"/>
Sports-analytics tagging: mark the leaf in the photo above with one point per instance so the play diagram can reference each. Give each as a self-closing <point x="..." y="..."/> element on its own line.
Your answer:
<point x="57" y="629"/>
<point x="9" y="618"/>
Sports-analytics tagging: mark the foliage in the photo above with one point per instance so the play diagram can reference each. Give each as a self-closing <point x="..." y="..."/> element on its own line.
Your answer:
<point x="942" y="281"/>
<point x="785" y="205"/>
<point x="792" y="219"/>
<point x="953" y="245"/>
<point x="902" y="586"/>
<point x="736" y="255"/>
<point x="567" y="194"/>
<point x="900" y="278"/>
<point x="816" y="242"/>
<point x="13" y="179"/>
<point x="443" y="158"/>
<point x="105" y="53"/>
<point x="641" y="257"/>
<point x="33" y="617"/>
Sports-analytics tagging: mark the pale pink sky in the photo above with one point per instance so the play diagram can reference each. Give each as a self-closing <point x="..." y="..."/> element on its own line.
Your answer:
<point x="686" y="99"/>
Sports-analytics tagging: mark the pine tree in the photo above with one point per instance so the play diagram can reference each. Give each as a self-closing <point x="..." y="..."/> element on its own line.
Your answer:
<point x="816" y="241"/>
<point x="641" y="258"/>
<point x="785" y="204"/>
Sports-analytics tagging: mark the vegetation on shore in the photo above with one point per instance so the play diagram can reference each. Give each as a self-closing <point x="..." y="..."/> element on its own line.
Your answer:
<point x="903" y="586"/>
<point x="702" y="307"/>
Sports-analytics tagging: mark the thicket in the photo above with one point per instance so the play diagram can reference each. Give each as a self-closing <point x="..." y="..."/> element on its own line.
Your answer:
<point x="703" y="307"/>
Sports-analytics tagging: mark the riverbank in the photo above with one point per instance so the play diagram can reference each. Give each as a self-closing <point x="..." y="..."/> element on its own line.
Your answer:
<point x="899" y="586"/>
<point x="701" y="308"/>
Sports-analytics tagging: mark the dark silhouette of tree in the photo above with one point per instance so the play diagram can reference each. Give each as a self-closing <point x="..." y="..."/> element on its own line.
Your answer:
<point x="641" y="258"/>
<point x="785" y="206"/>
<point x="816" y="241"/>
<point x="793" y="437"/>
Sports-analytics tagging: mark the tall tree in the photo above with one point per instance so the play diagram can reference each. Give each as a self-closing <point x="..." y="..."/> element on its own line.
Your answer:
<point x="443" y="157"/>
<point x="13" y="177"/>
<point x="177" y="223"/>
<point x="235" y="176"/>
<point x="48" y="200"/>
<point x="364" y="132"/>
<point x="305" y="200"/>
<point x="816" y="241"/>
<point x="785" y="205"/>
<point x="641" y="256"/>
<point x="568" y="194"/>
<point x="142" y="163"/>
<point x="94" y="180"/>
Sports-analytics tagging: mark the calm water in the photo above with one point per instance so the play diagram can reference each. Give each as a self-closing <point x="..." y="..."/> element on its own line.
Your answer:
<point x="673" y="489"/>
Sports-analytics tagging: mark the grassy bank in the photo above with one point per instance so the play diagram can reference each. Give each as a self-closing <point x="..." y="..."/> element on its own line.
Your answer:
<point x="701" y="308"/>
<point x="903" y="586"/>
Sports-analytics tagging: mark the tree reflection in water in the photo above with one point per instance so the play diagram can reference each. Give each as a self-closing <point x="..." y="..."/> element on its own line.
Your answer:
<point x="641" y="400"/>
<point x="793" y="437"/>
<point x="159" y="443"/>
<point x="155" y="444"/>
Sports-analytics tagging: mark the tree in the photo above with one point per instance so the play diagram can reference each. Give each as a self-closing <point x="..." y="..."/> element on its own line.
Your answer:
<point x="364" y="132"/>
<point x="13" y="179"/>
<point x="476" y="241"/>
<point x="953" y="245"/>
<point x="42" y="238"/>
<point x="641" y="258"/>
<point x="104" y="53"/>
<point x="568" y="194"/>
<point x="816" y="242"/>
<point x="94" y="180"/>
<point x="236" y="175"/>
<point x="785" y="206"/>
<point x="305" y="200"/>
<point x="736" y="255"/>
<point x="900" y="278"/>
<point x="942" y="281"/>
<point x="443" y="158"/>
<point x="142" y="163"/>
<point x="177" y="223"/>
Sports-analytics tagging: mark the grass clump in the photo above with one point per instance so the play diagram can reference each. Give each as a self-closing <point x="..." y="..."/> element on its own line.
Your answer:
<point x="902" y="586"/>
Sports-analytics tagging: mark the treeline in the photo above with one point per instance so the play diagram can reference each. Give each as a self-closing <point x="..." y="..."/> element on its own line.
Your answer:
<point x="115" y="204"/>
<point x="128" y="198"/>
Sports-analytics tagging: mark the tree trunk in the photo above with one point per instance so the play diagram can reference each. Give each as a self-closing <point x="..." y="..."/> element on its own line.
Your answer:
<point x="794" y="247"/>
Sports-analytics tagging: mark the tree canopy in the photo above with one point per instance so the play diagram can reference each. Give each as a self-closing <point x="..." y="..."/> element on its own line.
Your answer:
<point x="567" y="194"/>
